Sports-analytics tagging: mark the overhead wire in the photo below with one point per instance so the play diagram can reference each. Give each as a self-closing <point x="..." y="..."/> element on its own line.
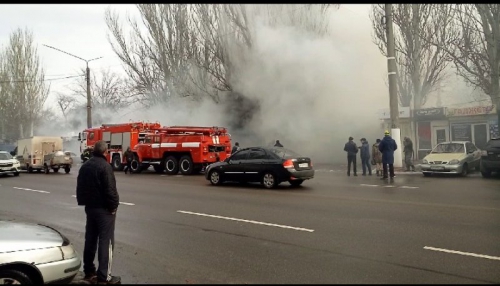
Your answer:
<point x="50" y="79"/>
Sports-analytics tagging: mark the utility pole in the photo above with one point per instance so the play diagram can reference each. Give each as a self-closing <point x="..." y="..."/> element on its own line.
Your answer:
<point x="393" y="88"/>
<point x="89" y="99"/>
<point x="87" y="75"/>
<point x="391" y="66"/>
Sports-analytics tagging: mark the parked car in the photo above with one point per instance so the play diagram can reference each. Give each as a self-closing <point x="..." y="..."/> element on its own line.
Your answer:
<point x="8" y="164"/>
<point x="490" y="158"/>
<point x="35" y="254"/>
<point x="269" y="166"/>
<point x="455" y="157"/>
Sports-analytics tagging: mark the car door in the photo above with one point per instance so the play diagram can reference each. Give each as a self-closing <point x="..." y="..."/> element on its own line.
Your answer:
<point x="257" y="162"/>
<point x="475" y="154"/>
<point x="235" y="169"/>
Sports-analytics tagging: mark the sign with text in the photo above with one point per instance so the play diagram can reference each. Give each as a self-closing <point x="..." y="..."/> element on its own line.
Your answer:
<point x="404" y="112"/>
<point x="430" y="113"/>
<point x="461" y="132"/>
<point x="468" y="111"/>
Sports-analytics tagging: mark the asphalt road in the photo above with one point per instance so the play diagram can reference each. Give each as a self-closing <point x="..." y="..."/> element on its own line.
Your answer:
<point x="333" y="229"/>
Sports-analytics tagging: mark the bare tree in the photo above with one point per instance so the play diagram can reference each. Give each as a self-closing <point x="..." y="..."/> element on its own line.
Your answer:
<point x="65" y="103"/>
<point x="476" y="50"/>
<point x="108" y="90"/>
<point x="23" y="89"/>
<point x="421" y="65"/>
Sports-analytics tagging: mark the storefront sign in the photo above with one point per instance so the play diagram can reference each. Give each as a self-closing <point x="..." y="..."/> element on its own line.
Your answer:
<point x="468" y="111"/>
<point x="404" y="112"/>
<point x="461" y="132"/>
<point x="494" y="133"/>
<point x="430" y="113"/>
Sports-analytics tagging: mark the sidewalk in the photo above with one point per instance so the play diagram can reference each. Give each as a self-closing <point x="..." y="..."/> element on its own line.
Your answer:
<point x="343" y="168"/>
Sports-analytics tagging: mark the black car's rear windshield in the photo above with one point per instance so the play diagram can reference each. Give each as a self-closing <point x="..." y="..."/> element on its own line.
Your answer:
<point x="493" y="143"/>
<point x="285" y="153"/>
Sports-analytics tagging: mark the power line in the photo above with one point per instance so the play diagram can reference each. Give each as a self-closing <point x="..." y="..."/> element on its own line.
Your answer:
<point x="51" y="79"/>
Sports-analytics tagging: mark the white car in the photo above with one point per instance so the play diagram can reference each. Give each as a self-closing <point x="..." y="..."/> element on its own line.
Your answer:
<point x="35" y="254"/>
<point x="8" y="164"/>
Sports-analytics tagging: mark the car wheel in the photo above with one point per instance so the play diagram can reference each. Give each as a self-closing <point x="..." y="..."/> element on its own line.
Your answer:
<point x="486" y="173"/>
<point x="296" y="183"/>
<point x="14" y="277"/>
<point x="55" y="170"/>
<point x="67" y="170"/>
<point x="215" y="178"/>
<point x="171" y="165"/>
<point x="186" y="165"/>
<point x="16" y="174"/>
<point x="427" y="174"/>
<point x="465" y="170"/>
<point x="269" y="180"/>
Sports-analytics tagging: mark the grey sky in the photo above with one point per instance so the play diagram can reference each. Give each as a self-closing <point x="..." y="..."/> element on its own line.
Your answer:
<point x="81" y="30"/>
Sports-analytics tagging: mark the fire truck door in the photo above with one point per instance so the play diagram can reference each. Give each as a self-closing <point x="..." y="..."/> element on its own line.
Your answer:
<point x="155" y="147"/>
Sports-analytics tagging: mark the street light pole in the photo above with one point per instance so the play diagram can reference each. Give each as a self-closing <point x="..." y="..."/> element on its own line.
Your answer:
<point x="87" y="76"/>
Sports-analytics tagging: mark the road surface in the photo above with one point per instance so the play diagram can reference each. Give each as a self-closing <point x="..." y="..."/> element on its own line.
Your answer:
<point x="333" y="229"/>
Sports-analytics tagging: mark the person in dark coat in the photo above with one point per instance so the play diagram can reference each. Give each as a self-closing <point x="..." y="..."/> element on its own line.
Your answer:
<point x="408" y="150"/>
<point x="377" y="157"/>
<point x="278" y="144"/>
<point x="352" y="149"/>
<point x="387" y="146"/>
<point x="96" y="190"/>
<point x="128" y="157"/>
<point x="236" y="147"/>
<point x="365" y="157"/>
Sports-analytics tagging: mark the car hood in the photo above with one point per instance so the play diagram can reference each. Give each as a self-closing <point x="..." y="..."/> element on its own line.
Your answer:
<point x="17" y="236"/>
<point x="217" y="164"/>
<point x="444" y="157"/>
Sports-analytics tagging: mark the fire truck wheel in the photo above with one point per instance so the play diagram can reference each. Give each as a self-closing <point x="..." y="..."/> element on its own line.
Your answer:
<point x="135" y="165"/>
<point x="171" y="165"/>
<point x="186" y="165"/>
<point x="117" y="164"/>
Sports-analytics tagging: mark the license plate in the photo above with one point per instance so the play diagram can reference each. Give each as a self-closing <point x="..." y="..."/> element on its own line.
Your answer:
<point x="303" y="165"/>
<point x="437" y="168"/>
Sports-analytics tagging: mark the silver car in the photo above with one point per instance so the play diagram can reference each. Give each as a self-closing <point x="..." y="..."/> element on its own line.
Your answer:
<point x="34" y="253"/>
<point x="455" y="157"/>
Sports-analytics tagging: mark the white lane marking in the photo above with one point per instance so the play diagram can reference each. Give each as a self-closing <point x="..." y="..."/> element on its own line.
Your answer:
<point x="122" y="203"/>
<point x="38" y="191"/>
<point x="462" y="253"/>
<point x="389" y="186"/>
<point x="249" y="221"/>
<point x="408" y="187"/>
<point x="366" y="185"/>
<point x="128" y="204"/>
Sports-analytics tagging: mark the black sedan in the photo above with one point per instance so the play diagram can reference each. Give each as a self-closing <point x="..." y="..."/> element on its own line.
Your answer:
<point x="269" y="166"/>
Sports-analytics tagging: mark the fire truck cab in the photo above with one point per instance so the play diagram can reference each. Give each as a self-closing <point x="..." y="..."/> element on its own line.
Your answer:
<point x="181" y="148"/>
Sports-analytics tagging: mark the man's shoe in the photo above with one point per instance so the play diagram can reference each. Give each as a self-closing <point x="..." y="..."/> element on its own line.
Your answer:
<point x="113" y="280"/>
<point x="91" y="278"/>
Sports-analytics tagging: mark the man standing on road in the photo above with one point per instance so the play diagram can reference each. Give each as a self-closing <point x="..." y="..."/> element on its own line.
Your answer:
<point x="128" y="157"/>
<point x="377" y="157"/>
<point x="278" y="144"/>
<point x="236" y="147"/>
<point x="96" y="190"/>
<point x="365" y="157"/>
<point x="387" y="146"/>
<point x="408" y="150"/>
<point x="351" y="149"/>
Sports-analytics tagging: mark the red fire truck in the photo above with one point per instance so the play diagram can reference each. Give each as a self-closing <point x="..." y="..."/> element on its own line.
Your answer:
<point x="181" y="148"/>
<point x="119" y="137"/>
